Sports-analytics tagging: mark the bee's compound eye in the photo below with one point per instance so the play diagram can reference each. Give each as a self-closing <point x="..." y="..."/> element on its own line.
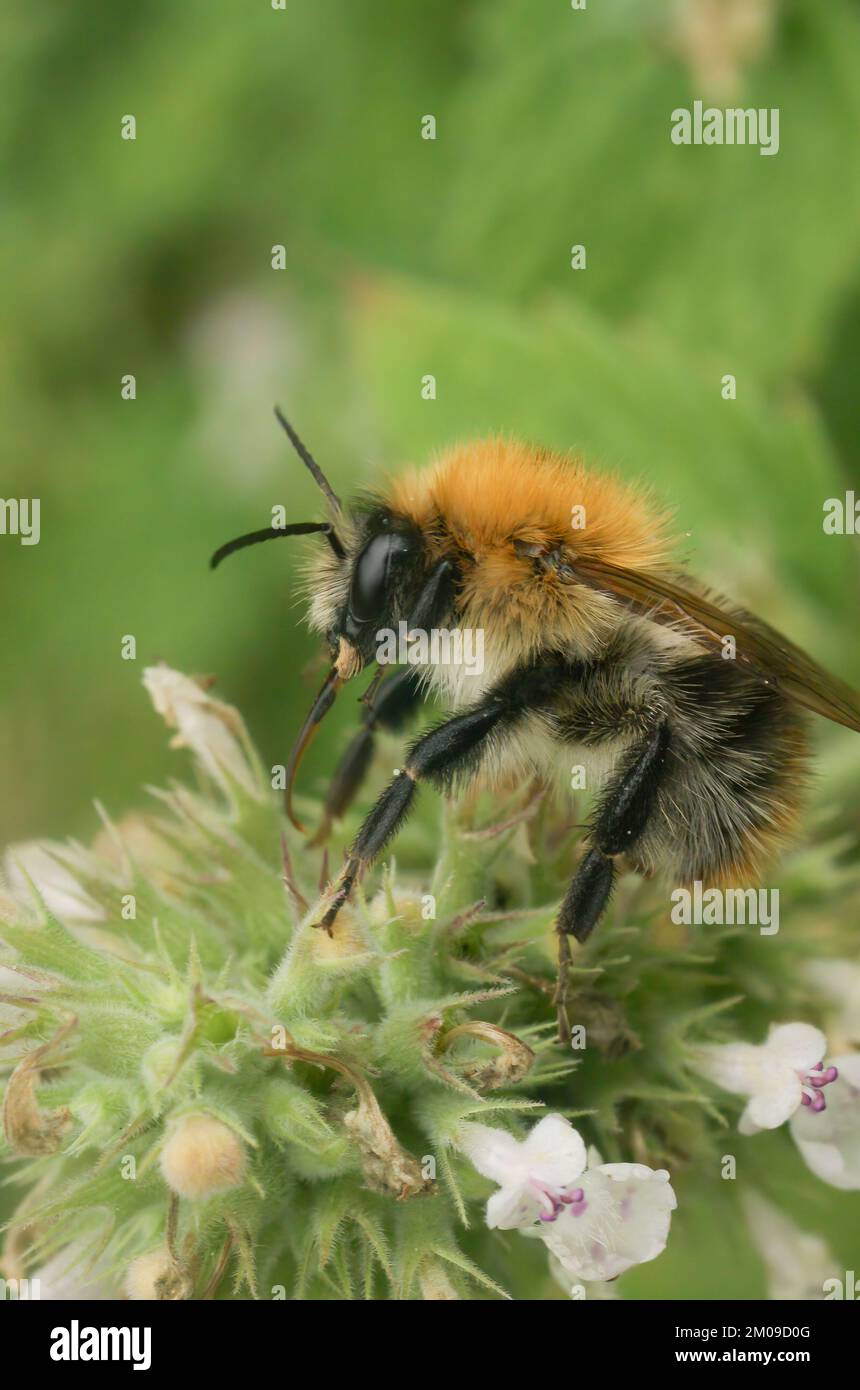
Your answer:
<point x="372" y="575"/>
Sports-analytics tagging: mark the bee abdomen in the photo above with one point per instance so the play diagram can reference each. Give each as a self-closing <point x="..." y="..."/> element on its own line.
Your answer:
<point x="736" y="775"/>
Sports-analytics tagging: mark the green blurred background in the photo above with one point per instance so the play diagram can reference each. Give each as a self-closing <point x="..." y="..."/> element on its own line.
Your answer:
<point x="404" y="257"/>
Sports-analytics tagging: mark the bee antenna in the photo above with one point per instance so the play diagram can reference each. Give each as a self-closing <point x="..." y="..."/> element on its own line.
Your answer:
<point x="308" y="460"/>
<point x="271" y="533"/>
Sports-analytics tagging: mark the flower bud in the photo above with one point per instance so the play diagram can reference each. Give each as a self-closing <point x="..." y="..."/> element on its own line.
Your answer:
<point x="156" y="1276"/>
<point x="202" y="1157"/>
<point x="212" y="730"/>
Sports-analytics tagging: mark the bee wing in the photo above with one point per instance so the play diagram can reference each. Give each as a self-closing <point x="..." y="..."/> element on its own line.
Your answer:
<point x="759" y="647"/>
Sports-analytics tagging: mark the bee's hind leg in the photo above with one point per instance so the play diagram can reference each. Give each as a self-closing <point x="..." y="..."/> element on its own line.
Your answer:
<point x="583" y="905"/>
<point x="621" y="817"/>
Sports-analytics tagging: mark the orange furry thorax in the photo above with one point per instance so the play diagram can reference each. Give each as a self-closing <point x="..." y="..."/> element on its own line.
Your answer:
<point x="485" y="495"/>
<point x="488" y="499"/>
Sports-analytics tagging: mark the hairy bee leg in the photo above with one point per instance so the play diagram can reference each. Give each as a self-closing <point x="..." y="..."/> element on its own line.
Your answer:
<point x="396" y="700"/>
<point x="562" y="988"/>
<point x="621" y="818"/>
<point x="437" y="757"/>
<point x="579" y="913"/>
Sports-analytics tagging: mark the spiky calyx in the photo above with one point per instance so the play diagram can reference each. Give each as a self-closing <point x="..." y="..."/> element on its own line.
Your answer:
<point x="208" y="1097"/>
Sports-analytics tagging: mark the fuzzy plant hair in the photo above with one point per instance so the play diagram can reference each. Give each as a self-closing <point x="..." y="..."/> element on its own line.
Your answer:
<point x="205" y="1097"/>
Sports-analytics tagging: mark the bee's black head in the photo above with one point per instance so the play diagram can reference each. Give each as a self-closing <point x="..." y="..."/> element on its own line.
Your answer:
<point x="385" y="577"/>
<point x="379" y="574"/>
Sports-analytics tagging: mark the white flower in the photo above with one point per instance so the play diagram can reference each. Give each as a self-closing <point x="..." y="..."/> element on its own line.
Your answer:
<point x="596" y="1223"/>
<point x="69" y="1277"/>
<point x="212" y="730"/>
<point x="578" y="1289"/>
<point x="839" y="982"/>
<point x="38" y="864"/>
<point x="781" y="1074"/>
<point x="535" y="1176"/>
<point x="830" y="1143"/>
<point x="622" y="1220"/>
<point x="797" y="1262"/>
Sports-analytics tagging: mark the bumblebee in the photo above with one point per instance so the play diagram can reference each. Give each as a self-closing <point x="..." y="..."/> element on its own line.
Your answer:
<point x="687" y="713"/>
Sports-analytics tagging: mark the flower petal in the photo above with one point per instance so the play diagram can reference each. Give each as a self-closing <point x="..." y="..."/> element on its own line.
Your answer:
<point x="772" y="1107"/>
<point x="797" y="1262"/>
<point x="554" y="1152"/>
<point x="628" y="1210"/>
<point x="797" y="1045"/>
<point x="576" y="1288"/>
<point x="733" y="1066"/>
<point x="830" y="1141"/>
<point x="35" y="864"/>
<point x="494" y="1152"/>
<point x="514" y="1207"/>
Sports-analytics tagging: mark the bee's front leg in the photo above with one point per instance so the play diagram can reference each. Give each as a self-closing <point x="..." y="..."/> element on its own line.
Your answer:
<point x="436" y="757"/>
<point x="398" y="697"/>
<point x="380" y="826"/>
<point x="349" y="877"/>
